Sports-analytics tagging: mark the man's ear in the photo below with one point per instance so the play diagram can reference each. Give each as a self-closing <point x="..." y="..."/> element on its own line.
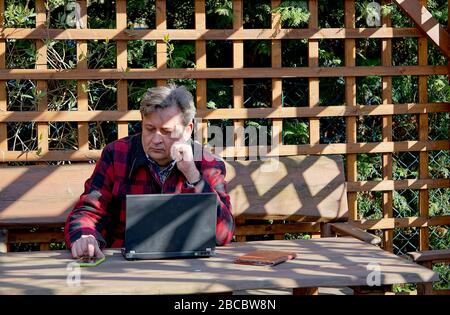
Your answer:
<point x="188" y="131"/>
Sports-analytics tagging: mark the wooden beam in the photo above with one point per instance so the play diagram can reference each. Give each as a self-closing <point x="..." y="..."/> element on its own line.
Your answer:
<point x="284" y="150"/>
<point x="217" y="73"/>
<point x="199" y="34"/>
<point x="344" y="228"/>
<point x="426" y="23"/>
<point x="389" y="185"/>
<point x="231" y="113"/>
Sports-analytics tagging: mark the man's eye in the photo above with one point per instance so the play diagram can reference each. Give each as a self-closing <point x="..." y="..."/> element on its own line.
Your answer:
<point x="151" y="129"/>
<point x="166" y="132"/>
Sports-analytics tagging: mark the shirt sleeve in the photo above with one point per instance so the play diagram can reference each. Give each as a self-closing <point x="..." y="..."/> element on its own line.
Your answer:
<point x="90" y="214"/>
<point x="213" y="180"/>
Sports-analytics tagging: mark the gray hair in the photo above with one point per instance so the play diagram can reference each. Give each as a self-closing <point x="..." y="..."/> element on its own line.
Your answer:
<point x="165" y="96"/>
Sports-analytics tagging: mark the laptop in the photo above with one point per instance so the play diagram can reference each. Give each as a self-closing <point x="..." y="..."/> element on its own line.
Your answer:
<point x="160" y="226"/>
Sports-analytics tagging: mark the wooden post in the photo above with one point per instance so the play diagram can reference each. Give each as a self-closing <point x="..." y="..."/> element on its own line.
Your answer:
<point x="3" y="98"/>
<point x="200" y="56"/>
<point x="313" y="61"/>
<point x="41" y="85"/>
<point x="305" y="291"/>
<point x="423" y="136"/>
<point x="350" y="100"/>
<point x="122" y="64"/>
<point x="387" y="197"/>
<point x="240" y="238"/>
<point x="161" y="46"/>
<point x="3" y="241"/>
<point x="238" y="84"/>
<point x="425" y="288"/>
<point x="82" y="85"/>
<point x="277" y="91"/>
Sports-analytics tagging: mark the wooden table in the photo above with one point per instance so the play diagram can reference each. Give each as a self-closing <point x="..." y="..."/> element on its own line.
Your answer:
<point x="326" y="262"/>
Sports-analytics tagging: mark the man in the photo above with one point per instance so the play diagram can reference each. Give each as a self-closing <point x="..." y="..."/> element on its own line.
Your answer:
<point x="159" y="160"/>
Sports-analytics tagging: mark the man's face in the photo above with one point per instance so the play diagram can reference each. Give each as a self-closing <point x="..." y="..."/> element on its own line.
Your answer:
<point x="160" y="130"/>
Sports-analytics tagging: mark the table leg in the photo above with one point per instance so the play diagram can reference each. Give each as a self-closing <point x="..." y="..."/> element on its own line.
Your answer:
<point x="305" y="291"/>
<point x="3" y="241"/>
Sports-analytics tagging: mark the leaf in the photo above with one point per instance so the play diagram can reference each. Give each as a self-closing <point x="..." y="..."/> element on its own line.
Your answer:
<point x="166" y="38"/>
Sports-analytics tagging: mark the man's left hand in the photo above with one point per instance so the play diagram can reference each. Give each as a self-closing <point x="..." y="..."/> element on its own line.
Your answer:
<point x="182" y="153"/>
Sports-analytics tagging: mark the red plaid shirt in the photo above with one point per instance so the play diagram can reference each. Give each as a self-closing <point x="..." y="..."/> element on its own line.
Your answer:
<point x="124" y="169"/>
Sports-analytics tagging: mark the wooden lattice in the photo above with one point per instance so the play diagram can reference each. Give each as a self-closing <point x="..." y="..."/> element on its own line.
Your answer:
<point x="238" y="113"/>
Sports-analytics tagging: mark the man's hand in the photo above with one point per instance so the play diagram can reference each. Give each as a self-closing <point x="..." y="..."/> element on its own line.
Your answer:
<point x="182" y="153"/>
<point x="86" y="245"/>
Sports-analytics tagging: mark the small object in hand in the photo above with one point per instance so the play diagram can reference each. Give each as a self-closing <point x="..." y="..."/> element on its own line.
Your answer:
<point x="265" y="258"/>
<point x="87" y="261"/>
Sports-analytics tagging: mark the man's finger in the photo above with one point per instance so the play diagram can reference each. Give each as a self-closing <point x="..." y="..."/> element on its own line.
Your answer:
<point x="77" y="249"/>
<point x="91" y="249"/>
<point x="98" y="252"/>
<point x="85" y="247"/>
<point x="74" y="250"/>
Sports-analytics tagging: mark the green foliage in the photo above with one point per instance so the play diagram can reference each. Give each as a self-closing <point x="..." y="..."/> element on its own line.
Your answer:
<point x="219" y="13"/>
<point x="141" y="14"/>
<point x="293" y="13"/>
<point x="369" y="167"/>
<point x="257" y="14"/>
<point x="295" y="131"/>
<point x="141" y="54"/>
<point x="19" y="13"/>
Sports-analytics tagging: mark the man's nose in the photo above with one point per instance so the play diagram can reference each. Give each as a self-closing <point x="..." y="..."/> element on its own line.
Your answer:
<point x="157" y="137"/>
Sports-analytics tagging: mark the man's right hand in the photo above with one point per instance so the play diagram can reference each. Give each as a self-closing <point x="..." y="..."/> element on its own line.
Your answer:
<point x="86" y="245"/>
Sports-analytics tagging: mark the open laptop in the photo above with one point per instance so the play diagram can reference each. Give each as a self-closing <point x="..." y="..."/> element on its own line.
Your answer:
<point x="170" y="225"/>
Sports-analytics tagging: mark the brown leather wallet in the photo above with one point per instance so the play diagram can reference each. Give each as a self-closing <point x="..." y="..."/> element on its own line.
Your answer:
<point x="265" y="258"/>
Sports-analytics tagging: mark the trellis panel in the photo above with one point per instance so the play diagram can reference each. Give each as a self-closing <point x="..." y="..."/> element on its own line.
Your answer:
<point x="276" y="113"/>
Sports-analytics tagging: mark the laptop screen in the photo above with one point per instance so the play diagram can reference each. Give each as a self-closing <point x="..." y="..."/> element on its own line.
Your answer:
<point x="170" y="223"/>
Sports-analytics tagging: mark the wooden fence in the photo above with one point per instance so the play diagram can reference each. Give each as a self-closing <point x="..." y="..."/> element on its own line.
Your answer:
<point x="350" y="111"/>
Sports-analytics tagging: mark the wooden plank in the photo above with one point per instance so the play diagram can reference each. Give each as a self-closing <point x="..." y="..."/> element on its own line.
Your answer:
<point x="82" y="85"/>
<point x="35" y="237"/>
<point x="238" y="82"/>
<point x="233" y="113"/>
<point x="303" y="186"/>
<point x="347" y="229"/>
<point x="122" y="63"/>
<point x="217" y="73"/>
<point x="313" y="81"/>
<point x="22" y="188"/>
<point x="3" y="96"/>
<point x="41" y="85"/>
<point x="277" y="91"/>
<point x="387" y="197"/>
<point x="298" y="186"/>
<point x="393" y="223"/>
<point x="389" y="185"/>
<point x="426" y="23"/>
<point x="218" y="34"/>
<point x="350" y="101"/>
<point x="423" y="134"/>
<point x="200" y="56"/>
<point x="430" y="255"/>
<point x="331" y="262"/>
<point x="161" y="46"/>
<point x="262" y="229"/>
<point x="285" y="150"/>
<point x="305" y="291"/>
